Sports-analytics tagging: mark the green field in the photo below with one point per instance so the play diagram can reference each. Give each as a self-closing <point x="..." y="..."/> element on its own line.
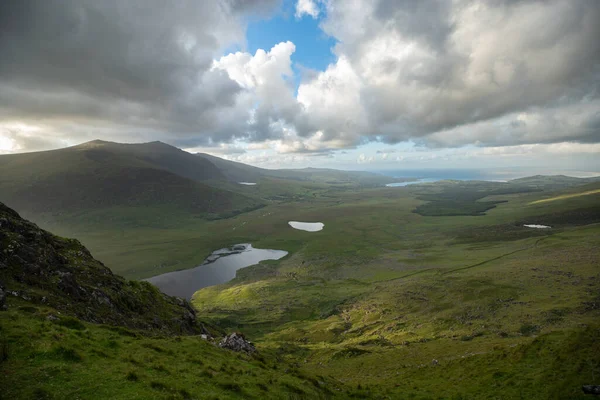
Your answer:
<point x="425" y="291"/>
<point x="383" y="291"/>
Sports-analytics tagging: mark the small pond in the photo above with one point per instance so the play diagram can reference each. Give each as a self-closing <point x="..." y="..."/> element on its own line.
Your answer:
<point x="537" y="226"/>
<point x="307" y="226"/>
<point x="219" y="267"/>
<point x="247" y="183"/>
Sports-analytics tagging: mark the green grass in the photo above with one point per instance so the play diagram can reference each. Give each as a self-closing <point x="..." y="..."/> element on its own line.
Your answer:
<point x="48" y="360"/>
<point x="381" y="292"/>
<point x="370" y="301"/>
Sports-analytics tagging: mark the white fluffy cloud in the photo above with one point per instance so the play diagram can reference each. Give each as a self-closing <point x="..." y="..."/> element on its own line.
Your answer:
<point x="307" y="7"/>
<point x="489" y="61"/>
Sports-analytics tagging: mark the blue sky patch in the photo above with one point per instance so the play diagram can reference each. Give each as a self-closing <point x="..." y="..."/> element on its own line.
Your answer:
<point x="313" y="46"/>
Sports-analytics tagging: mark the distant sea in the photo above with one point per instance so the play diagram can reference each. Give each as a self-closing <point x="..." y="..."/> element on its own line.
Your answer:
<point x="499" y="175"/>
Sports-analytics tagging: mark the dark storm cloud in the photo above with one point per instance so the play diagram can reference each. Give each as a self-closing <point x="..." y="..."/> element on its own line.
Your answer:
<point x="130" y="63"/>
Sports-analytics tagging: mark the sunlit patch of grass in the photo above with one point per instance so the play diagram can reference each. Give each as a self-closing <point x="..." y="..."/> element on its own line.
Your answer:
<point x="566" y="196"/>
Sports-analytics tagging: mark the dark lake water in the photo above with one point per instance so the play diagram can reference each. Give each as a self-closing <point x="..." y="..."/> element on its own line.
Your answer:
<point x="219" y="267"/>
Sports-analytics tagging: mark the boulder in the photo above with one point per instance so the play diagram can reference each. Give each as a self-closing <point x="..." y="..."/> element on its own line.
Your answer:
<point x="2" y="299"/>
<point x="237" y="342"/>
<point x="591" y="389"/>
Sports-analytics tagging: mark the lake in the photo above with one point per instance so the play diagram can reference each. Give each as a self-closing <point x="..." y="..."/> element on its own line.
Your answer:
<point x="402" y="184"/>
<point x="307" y="226"/>
<point x="218" y="268"/>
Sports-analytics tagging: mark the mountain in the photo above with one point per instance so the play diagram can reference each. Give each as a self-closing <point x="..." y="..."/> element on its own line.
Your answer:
<point x="235" y="171"/>
<point x="61" y="274"/>
<point x="149" y="208"/>
<point x="239" y="172"/>
<point x="99" y="175"/>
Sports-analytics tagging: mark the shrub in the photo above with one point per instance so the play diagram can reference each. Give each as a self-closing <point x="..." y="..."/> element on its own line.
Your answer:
<point x="67" y="354"/>
<point x="528" y="329"/>
<point x="4" y="351"/>
<point x="132" y="376"/>
<point x="158" y="386"/>
<point x="71" y="323"/>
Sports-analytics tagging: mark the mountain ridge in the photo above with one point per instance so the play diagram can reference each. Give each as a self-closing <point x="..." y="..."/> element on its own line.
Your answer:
<point x="60" y="273"/>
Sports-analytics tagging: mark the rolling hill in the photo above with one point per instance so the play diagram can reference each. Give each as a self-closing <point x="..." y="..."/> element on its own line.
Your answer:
<point x="149" y="208"/>
<point x="239" y="172"/>
<point x="100" y="175"/>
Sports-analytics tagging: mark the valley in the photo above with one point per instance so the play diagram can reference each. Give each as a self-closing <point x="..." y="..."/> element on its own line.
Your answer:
<point x="429" y="290"/>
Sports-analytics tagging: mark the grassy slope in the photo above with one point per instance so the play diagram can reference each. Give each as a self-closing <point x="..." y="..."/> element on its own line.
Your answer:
<point x="49" y="361"/>
<point x="382" y="291"/>
<point x="97" y="176"/>
<point x="239" y="172"/>
<point x="45" y="352"/>
<point x="151" y="208"/>
<point x="371" y="300"/>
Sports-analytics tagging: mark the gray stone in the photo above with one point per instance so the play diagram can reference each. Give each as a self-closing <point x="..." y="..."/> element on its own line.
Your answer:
<point x="237" y="342"/>
<point x="2" y="299"/>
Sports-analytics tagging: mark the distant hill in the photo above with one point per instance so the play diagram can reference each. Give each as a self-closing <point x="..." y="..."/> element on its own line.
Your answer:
<point x="100" y="174"/>
<point x="552" y="182"/>
<point x="239" y="172"/>
<point x="235" y="171"/>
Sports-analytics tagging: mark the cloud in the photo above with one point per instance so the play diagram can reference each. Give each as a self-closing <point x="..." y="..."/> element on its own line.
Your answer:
<point x="441" y="74"/>
<point x="267" y="101"/>
<point x="418" y="69"/>
<point x="307" y="7"/>
<point x="363" y="159"/>
<point x="140" y="66"/>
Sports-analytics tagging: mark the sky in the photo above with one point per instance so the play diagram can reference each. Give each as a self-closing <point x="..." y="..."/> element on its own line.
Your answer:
<point x="350" y="84"/>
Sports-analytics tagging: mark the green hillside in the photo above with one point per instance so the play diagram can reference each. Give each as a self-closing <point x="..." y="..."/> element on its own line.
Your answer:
<point x="99" y="175"/>
<point x="239" y="172"/>
<point x="145" y="208"/>
<point x="407" y="304"/>
<point x="69" y="328"/>
<point x="389" y="300"/>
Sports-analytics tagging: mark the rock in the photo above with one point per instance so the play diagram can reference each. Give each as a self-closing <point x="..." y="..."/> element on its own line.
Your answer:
<point x="237" y="342"/>
<point x="101" y="298"/>
<point x="2" y="299"/>
<point x="591" y="389"/>
<point x="52" y="317"/>
<point x="62" y="273"/>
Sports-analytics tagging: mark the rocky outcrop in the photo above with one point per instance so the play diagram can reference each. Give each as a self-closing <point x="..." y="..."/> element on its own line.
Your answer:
<point x="591" y="389"/>
<point x="237" y="342"/>
<point x="2" y="299"/>
<point x="60" y="273"/>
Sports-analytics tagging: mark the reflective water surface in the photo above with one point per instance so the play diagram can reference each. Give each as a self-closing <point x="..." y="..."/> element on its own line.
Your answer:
<point x="219" y="267"/>
<point x="307" y="226"/>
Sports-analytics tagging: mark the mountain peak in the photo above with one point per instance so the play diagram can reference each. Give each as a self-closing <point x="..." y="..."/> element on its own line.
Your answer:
<point x="99" y="142"/>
